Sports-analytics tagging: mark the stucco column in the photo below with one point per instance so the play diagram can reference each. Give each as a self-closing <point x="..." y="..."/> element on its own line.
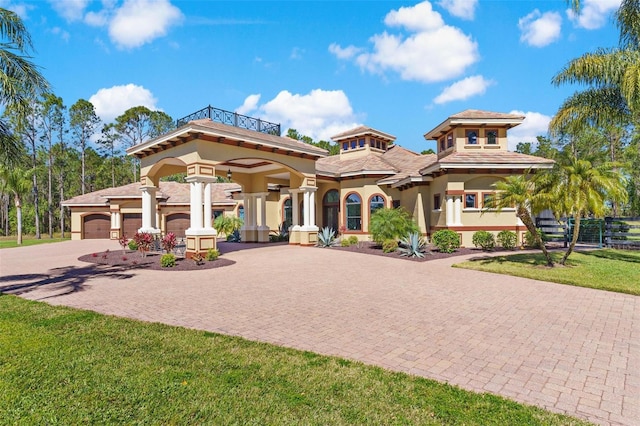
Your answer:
<point x="262" y="208"/>
<point x="196" y="205"/>
<point x="305" y="208"/>
<point x="312" y="208"/>
<point x="149" y="210"/>
<point x="457" y="211"/>
<point x="309" y="206"/>
<point x="295" y="208"/>
<point x="449" y="210"/>
<point x="207" y="205"/>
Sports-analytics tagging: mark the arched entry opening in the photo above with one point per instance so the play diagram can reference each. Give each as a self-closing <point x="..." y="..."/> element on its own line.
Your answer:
<point x="331" y="209"/>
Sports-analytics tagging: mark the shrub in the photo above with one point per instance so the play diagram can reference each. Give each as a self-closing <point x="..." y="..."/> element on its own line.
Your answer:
<point x="391" y="224"/>
<point x="168" y="260"/>
<point x="413" y="245"/>
<point x="169" y="242"/>
<point x="389" y="246"/>
<point x="345" y="242"/>
<point x="326" y="237"/>
<point x="123" y="242"/>
<point x="353" y="240"/>
<point x="212" y="254"/>
<point x="530" y="241"/>
<point x="446" y="240"/>
<point x="484" y="239"/>
<point x="507" y="239"/>
<point x="227" y="224"/>
<point x="143" y="241"/>
<point x="132" y="245"/>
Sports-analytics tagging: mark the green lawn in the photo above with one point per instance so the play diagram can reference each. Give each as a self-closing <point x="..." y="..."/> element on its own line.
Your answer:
<point x="28" y="240"/>
<point x="613" y="270"/>
<point x="66" y="366"/>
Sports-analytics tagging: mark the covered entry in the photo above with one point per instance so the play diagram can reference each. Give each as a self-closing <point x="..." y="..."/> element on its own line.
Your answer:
<point x="95" y="226"/>
<point x="249" y="151"/>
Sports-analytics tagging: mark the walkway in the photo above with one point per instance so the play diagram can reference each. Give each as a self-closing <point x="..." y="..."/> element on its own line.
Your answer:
<point x="567" y="349"/>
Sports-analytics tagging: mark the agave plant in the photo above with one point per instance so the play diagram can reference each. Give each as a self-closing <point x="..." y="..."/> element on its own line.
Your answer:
<point x="412" y="246"/>
<point x="326" y="237"/>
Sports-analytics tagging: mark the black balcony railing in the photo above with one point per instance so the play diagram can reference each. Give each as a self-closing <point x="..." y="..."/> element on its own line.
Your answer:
<point x="232" y="119"/>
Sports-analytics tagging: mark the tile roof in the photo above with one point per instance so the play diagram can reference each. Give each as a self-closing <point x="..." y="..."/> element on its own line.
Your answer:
<point x="169" y="192"/>
<point x="475" y="114"/>
<point x="362" y="130"/>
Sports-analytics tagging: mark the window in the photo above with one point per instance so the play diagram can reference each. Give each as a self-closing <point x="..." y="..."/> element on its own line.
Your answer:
<point x="472" y="137"/>
<point x="353" y="144"/>
<point x="331" y="209"/>
<point x="376" y="202"/>
<point x="492" y="137"/>
<point x="217" y="213"/>
<point x="395" y="203"/>
<point x="361" y="143"/>
<point x="449" y="140"/>
<point x="241" y="212"/>
<point x="354" y="212"/>
<point x="485" y="197"/>
<point x="437" y="202"/>
<point x="470" y="201"/>
<point x="345" y="146"/>
<point x="442" y="144"/>
<point x="383" y="146"/>
<point x="287" y="213"/>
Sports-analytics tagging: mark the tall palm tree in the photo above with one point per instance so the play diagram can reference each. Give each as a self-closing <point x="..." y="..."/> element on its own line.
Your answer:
<point x="20" y="80"/>
<point x="16" y="181"/>
<point x="519" y="191"/>
<point x="579" y="189"/>
<point x="612" y="77"/>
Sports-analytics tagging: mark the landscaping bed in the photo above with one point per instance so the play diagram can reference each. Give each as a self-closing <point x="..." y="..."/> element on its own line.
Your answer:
<point x="133" y="260"/>
<point x="368" y="247"/>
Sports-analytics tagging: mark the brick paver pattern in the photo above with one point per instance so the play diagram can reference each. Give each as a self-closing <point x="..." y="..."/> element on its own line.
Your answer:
<point x="567" y="349"/>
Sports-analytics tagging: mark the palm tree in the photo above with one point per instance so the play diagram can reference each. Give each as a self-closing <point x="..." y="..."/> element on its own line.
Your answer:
<point x="17" y="182"/>
<point x="20" y="80"/>
<point x="579" y="189"/>
<point x="519" y="191"/>
<point x="612" y="77"/>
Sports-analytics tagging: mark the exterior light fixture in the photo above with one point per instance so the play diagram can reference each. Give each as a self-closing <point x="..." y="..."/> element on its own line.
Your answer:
<point x="229" y="174"/>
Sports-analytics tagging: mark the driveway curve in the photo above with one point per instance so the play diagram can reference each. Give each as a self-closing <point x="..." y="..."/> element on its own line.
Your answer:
<point x="567" y="349"/>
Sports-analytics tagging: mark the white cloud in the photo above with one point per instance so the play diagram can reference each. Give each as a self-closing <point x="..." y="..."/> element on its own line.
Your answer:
<point x="593" y="14"/>
<point x="464" y="89"/>
<point x="344" y="52"/>
<point x="71" y="10"/>
<point x="319" y="114"/>
<point x="19" y="9"/>
<point x="141" y="21"/>
<point x="535" y="124"/>
<point x="64" y="35"/>
<point x="296" y="53"/>
<point x="250" y="104"/>
<point x="538" y="29"/>
<point x="432" y="51"/>
<point x="464" y="9"/>
<point x="112" y="102"/>
<point x="97" y="19"/>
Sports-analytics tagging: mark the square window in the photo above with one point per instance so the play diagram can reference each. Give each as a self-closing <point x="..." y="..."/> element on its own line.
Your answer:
<point x="345" y="146"/>
<point x="353" y="144"/>
<point x="449" y="140"/>
<point x="472" y="137"/>
<point x="470" y="201"/>
<point x="485" y="196"/>
<point x="442" y="144"/>
<point x="361" y="143"/>
<point x="492" y="137"/>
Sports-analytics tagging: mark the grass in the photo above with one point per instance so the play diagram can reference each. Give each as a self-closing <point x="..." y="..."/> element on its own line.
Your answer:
<point x="612" y="270"/>
<point x="66" y="366"/>
<point x="29" y="240"/>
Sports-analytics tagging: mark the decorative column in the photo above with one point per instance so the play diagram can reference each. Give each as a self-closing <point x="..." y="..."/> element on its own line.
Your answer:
<point x="200" y="236"/>
<point x="309" y="231"/>
<point x="115" y="224"/>
<point x="449" y="210"/>
<point x="248" y="232"/>
<point x="261" y="209"/>
<point x="294" y="231"/>
<point x="457" y="212"/>
<point x="149" y="210"/>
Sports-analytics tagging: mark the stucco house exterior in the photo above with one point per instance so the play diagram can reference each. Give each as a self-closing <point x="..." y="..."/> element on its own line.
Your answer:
<point x="278" y="180"/>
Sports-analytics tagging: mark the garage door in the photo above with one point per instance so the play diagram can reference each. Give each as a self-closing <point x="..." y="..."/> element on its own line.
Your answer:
<point x="96" y="226"/>
<point x="178" y="223"/>
<point x="131" y="222"/>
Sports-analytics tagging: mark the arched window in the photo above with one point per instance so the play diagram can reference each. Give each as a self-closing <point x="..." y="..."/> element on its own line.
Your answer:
<point x="287" y="213"/>
<point x="376" y="202"/>
<point x="353" y="205"/>
<point x="330" y="209"/>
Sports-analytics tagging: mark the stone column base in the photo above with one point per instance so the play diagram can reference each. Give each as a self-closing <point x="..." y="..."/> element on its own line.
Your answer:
<point x="200" y="242"/>
<point x="263" y="234"/>
<point x="294" y="235"/>
<point x="308" y="235"/>
<point x="248" y="235"/>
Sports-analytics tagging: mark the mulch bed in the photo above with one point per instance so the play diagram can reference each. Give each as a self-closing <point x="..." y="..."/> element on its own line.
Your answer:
<point x="134" y="260"/>
<point x="431" y="254"/>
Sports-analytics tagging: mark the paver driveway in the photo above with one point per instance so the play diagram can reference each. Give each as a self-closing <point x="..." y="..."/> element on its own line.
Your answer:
<point x="567" y="349"/>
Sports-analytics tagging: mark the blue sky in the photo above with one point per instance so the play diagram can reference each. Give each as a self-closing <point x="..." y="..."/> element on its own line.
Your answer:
<point x="320" y="67"/>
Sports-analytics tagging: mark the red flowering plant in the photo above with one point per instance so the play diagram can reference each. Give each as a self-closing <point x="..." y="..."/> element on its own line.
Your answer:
<point x="169" y="242"/>
<point x="144" y="241"/>
<point x="123" y="241"/>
